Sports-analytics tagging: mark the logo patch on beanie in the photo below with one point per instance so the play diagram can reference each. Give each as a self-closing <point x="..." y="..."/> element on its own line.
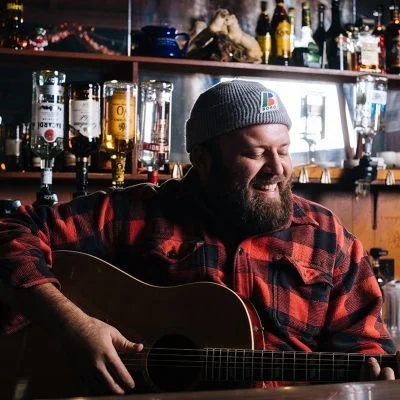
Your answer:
<point x="269" y="102"/>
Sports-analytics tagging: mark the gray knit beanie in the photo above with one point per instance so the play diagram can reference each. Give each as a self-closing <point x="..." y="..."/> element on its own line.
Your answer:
<point x="232" y="105"/>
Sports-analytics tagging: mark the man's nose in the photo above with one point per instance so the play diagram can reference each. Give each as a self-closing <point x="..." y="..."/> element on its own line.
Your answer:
<point x="273" y="164"/>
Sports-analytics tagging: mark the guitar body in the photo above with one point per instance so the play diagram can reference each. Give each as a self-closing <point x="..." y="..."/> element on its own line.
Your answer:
<point x="192" y="316"/>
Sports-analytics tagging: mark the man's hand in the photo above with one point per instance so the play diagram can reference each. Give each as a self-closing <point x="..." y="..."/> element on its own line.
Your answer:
<point x="93" y="346"/>
<point x="373" y="370"/>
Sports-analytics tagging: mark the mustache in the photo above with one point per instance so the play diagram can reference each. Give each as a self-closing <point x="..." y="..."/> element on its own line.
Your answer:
<point x="268" y="180"/>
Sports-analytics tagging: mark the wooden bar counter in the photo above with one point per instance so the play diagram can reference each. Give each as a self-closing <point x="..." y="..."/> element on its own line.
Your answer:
<point x="377" y="390"/>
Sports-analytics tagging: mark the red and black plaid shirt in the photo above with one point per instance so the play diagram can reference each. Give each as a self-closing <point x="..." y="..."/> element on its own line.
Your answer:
<point x="311" y="281"/>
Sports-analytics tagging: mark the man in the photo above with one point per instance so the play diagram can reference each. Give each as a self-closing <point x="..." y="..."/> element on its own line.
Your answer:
<point x="232" y="220"/>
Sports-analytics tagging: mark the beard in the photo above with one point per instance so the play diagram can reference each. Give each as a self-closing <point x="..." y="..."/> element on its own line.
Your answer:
<point x="249" y="213"/>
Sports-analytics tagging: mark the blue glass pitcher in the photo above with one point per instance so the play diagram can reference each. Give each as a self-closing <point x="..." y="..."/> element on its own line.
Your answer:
<point x="160" y="41"/>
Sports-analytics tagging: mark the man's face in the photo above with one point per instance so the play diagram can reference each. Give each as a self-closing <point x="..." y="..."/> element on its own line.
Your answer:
<point x="250" y="182"/>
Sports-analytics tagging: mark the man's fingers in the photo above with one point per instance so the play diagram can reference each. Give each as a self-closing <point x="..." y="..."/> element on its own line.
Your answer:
<point x="375" y="372"/>
<point x="373" y="369"/>
<point x="120" y="373"/>
<point x="111" y="384"/>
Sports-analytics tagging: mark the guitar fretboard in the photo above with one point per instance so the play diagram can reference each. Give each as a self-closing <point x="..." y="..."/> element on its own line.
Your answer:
<point x="250" y="365"/>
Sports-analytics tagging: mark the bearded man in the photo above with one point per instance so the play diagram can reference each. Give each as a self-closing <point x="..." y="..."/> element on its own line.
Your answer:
<point x="232" y="220"/>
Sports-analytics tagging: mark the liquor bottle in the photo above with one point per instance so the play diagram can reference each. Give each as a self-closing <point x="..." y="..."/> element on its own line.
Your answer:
<point x="83" y="130"/>
<point x="367" y="47"/>
<point x="13" y="154"/>
<point x="379" y="31"/>
<point x="263" y="34"/>
<point x="320" y="36"/>
<point x="291" y="16"/>
<point x="119" y="125"/>
<point x="280" y="35"/>
<point x="306" y="53"/>
<point x="47" y="128"/>
<point x="336" y="37"/>
<point x="392" y="41"/>
<point x="155" y="126"/>
<point x="26" y="147"/>
<point x="12" y="24"/>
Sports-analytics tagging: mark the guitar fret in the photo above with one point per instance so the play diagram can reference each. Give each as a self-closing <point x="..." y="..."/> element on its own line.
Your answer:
<point x="282" y="366"/>
<point x="227" y="365"/>
<point x="333" y="367"/>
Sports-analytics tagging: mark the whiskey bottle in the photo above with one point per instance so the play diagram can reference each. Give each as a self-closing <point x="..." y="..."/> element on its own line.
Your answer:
<point x="119" y="125"/>
<point x="336" y="38"/>
<point x="263" y="34"/>
<point x="12" y="24"/>
<point x="47" y="127"/>
<point x="379" y="32"/>
<point x="83" y="130"/>
<point x="306" y="53"/>
<point x="392" y="41"/>
<point x="320" y="36"/>
<point x="280" y="35"/>
<point x="155" y="126"/>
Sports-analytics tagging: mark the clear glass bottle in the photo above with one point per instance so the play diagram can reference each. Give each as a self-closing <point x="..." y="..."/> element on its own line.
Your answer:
<point x="379" y="31"/>
<point x="155" y="125"/>
<point x="83" y="131"/>
<point x="263" y="34"/>
<point x="47" y="127"/>
<point x="119" y="125"/>
<point x="306" y="53"/>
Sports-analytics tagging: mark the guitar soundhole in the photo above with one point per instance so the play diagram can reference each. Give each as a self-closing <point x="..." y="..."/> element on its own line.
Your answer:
<point x="173" y="363"/>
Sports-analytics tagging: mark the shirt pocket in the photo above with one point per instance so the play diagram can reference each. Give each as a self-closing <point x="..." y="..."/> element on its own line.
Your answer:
<point x="173" y="262"/>
<point x="300" y="295"/>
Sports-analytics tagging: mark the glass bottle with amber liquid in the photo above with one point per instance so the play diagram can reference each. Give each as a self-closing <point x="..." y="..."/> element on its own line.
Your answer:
<point x="280" y="35"/>
<point x="336" y="38"/>
<point x="83" y="128"/>
<point x="11" y="25"/>
<point x="379" y="32"/>
<point x="263" y="34"/>
<point x="392" y="41"/>
<point x="119" y="126"/>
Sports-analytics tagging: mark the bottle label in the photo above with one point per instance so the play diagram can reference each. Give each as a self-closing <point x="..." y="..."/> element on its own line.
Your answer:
<point x="14" y="6"/>
<point x="47" y="176"/>
<point x="156" y="147"/>
<point x="48" y="121"/>
<point x="369" y="53"/>
<point x="120" y="115"/>
<point x="282" y="37"/>
<point x="265" y="45"/>
<point x="13" y="147"/>
<point x="376" y="97"/>
<point x="85" y="118"/>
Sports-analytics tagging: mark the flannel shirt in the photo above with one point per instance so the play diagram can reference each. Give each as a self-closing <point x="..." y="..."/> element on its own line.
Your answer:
<point x="310" y="281"/>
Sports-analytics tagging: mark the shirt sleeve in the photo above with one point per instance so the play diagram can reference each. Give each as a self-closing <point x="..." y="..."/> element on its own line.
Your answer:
<point x="28" y="238"/>
<point x="354" y="319"/>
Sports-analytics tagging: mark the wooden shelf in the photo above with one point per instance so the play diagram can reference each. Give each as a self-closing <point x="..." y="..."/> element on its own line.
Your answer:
<point x="135" y="63"/>
<point x="337" y="175"/>
<point x="70" y="176"/>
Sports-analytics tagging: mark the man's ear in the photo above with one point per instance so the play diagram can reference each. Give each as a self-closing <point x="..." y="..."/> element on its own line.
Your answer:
<point x="200" y="157"/>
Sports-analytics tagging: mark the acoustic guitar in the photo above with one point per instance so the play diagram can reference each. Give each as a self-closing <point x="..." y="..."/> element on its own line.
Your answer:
<point x="198" y="335"/>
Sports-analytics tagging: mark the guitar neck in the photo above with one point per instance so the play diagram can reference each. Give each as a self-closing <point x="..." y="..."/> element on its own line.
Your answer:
<point x="254" y="365"/>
